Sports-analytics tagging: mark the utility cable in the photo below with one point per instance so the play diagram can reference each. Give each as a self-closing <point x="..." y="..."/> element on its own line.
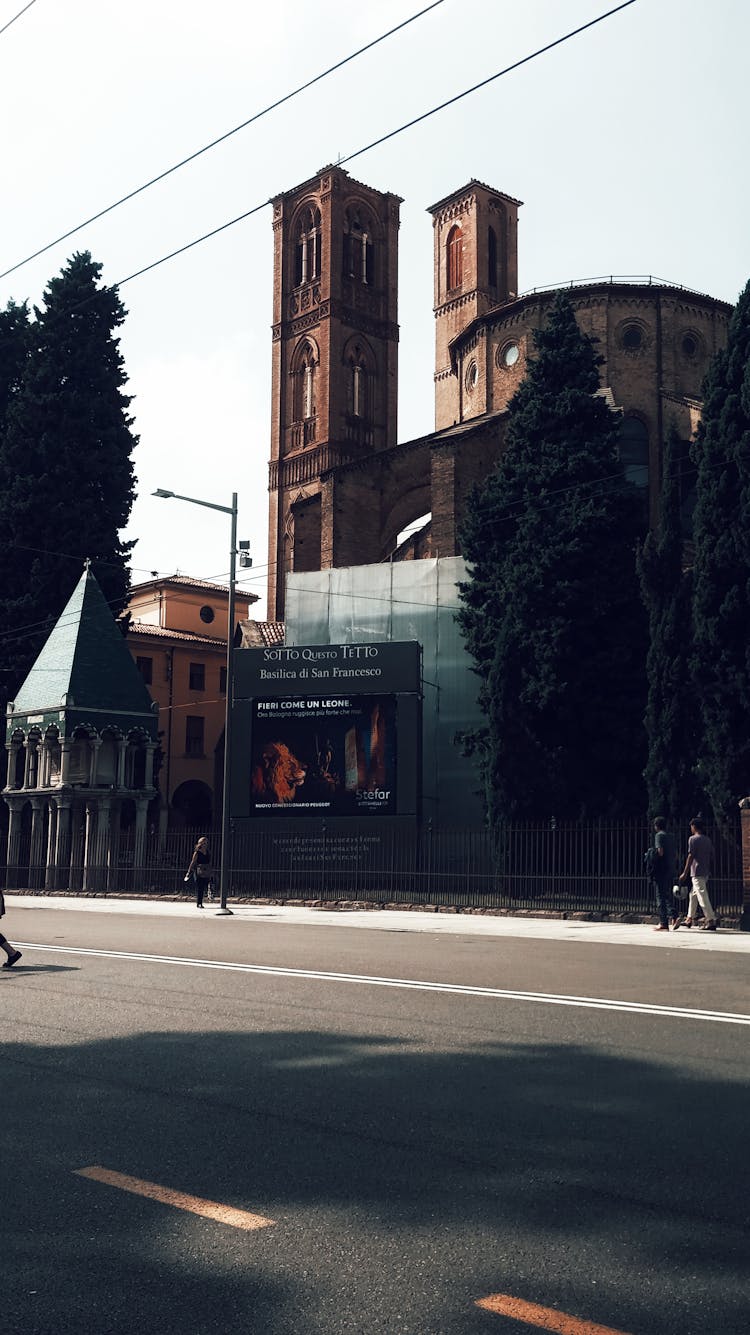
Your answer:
<point x="16" y="16"/>
<point x="575" y="32"/>
<point x="287" y="97"/>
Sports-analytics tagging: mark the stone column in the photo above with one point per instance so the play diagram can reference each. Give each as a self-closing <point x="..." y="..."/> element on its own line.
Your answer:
<point x="37" y="864"/>
<point x="12" y="747"/>
<point x="50" y="879"/>
<point x="102" y="844"/>
<point x="64" y="760"/>
<point x="95" y="744"/>
<point x="148" y="781"/>
<point x="77" y="848"/>
<point x="141" y="811"/>
<point x="122" y="747"/>
<point x="27" y="762"/>
<point x="89" y="847"/>
<point x="14" y="843"/>
<point x="113" y="850"/>
<point x="63" y="807"/>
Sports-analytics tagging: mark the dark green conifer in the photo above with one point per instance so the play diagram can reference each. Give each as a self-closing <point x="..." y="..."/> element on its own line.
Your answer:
<point x="66" y="474"/>
<point x="552" y="613"/>
<point x="720" y="660"/>
<point x="670" y="709"/>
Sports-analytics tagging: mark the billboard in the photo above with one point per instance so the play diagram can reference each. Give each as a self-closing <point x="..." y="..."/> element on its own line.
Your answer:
<point x="309" y="669"/>
<point x="324" y="756"/>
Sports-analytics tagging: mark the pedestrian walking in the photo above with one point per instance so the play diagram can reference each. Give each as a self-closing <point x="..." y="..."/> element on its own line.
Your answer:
<point x="13" y="954"/>
<point x="698" y="868"/>
<point x="663" y="871"/>
<point x="199" y="871"/>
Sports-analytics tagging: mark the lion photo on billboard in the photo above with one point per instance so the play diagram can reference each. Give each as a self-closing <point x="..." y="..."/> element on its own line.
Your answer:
<point x="278" y="775"/>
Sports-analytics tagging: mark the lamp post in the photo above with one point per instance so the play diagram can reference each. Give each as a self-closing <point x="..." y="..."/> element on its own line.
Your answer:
<point x="227" y="510"/>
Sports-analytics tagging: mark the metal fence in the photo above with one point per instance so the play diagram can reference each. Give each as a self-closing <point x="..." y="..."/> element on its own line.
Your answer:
<point x="576" y="867"/>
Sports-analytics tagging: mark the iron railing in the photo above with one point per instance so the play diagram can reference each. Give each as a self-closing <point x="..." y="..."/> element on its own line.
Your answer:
<point x="544" y="865"/>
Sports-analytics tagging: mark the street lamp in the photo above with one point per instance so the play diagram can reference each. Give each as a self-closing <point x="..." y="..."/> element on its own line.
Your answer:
<point x="226" y="510"/>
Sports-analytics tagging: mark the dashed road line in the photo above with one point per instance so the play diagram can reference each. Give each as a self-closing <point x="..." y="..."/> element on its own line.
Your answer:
<point x="222" y="1214"/>
<point x="544" y="1318"/>
<point x="411" y="984"/>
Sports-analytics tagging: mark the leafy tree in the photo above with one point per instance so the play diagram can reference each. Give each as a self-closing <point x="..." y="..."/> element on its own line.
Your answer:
<point x="720" y="661"/>
<point x="551" y="611"/>
<point x="66" y="475"/>
<point x="670" y="712"/>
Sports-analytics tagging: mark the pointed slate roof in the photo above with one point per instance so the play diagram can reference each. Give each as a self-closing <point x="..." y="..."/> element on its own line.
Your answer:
<point x="86" y="670"/>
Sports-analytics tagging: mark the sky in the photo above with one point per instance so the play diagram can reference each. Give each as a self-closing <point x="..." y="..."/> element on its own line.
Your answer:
<point x="627" y="144"/>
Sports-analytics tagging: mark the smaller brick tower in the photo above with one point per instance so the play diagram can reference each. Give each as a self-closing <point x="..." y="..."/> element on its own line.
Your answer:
<point x="335" y="348"/>
<point x="476" y="268"/>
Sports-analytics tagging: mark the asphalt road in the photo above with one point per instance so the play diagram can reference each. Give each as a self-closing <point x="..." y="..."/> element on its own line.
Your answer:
<point x="417" y="1117"/>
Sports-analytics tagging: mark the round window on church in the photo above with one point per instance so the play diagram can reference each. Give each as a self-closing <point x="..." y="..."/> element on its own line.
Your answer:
<point x="690" y="345"/>
<point x="632" y="337"/>
<point x="472" y="375"/>
<point x="206" y="614"/>
<point x="508" y="355"/>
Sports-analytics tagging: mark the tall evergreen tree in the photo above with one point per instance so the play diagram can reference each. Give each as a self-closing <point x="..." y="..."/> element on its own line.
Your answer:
<point x="670" y="712"/>
<point x="720" y="661"/>
<point x="66" y="474"/>
<point x="552" y="613"/>
<point x="15" y="340"/>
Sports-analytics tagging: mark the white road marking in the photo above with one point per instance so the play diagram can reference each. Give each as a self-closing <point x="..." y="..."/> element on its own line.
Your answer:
<point x="411" y="984"/>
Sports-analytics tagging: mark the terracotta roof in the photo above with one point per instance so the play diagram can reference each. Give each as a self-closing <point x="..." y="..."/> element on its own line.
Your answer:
<point x="187" y="582"/>
<point x="145" y="628"/>
<point x="262" y="634"/>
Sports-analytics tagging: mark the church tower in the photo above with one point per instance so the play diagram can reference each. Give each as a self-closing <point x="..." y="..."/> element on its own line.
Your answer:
<point x="335" y="349"/>
<point x="476" y="268"/>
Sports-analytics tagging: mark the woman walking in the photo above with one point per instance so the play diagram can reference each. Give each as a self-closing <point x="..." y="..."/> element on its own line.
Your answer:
<point x="199" y="871"/>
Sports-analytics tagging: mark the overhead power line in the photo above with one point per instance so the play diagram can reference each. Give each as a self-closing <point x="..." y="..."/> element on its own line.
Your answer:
<point x="16" y="16"/>
<point x="575" y="32"/>
<point x="287" y="97"/>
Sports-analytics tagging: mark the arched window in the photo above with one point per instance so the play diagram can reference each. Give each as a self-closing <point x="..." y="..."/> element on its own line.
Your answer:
<point x="307" y="248"/>
<point x="359" y="250"/>
<point x="633" y="445"/>
<point x="360" y="386"/>
<point x="455" y="257"/>
<point x="304" y="383"/>
<point x="491" y="257"/>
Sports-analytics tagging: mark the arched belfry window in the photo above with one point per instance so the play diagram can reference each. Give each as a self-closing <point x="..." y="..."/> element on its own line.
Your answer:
<point x="359" y="248"/>
<point x="305" y="363"/>
<point x="307" y="248"/>
<point x="491" y="257"/>
<point x="454" y="250"/>
<point x="360" y="385"/>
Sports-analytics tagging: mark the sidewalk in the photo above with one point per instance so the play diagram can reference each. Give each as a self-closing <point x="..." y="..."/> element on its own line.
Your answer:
<point x="396" y="920"/>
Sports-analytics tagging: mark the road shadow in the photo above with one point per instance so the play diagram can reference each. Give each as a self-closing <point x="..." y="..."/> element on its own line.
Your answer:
<point x="18" y="969"/>
<point x="520" y="1158"/>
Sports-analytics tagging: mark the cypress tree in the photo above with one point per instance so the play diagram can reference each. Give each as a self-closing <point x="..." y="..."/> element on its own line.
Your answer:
<point x="15" y="339"/>
<point x="66" y="474"/>
<point x="552" y="614"/>
<point x="720" y="661"/>
<point x="670" y="712"/>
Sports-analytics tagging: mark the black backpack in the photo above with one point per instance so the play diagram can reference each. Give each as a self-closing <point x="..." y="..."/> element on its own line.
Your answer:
<point x="649" y="861"/>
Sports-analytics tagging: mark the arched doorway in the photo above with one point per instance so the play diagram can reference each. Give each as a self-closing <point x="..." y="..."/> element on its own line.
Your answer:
<point x="192" y="806"/>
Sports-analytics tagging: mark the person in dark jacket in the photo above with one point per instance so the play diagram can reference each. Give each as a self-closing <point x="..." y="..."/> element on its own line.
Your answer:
<point x="664" y="872"/>
<point x="13" y="954"/>
<point x="199" y="871"/>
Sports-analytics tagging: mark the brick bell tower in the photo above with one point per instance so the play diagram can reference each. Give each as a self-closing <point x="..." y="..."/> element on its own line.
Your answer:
<point x="476" y="268"/>
<point x="335" y="350"/>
